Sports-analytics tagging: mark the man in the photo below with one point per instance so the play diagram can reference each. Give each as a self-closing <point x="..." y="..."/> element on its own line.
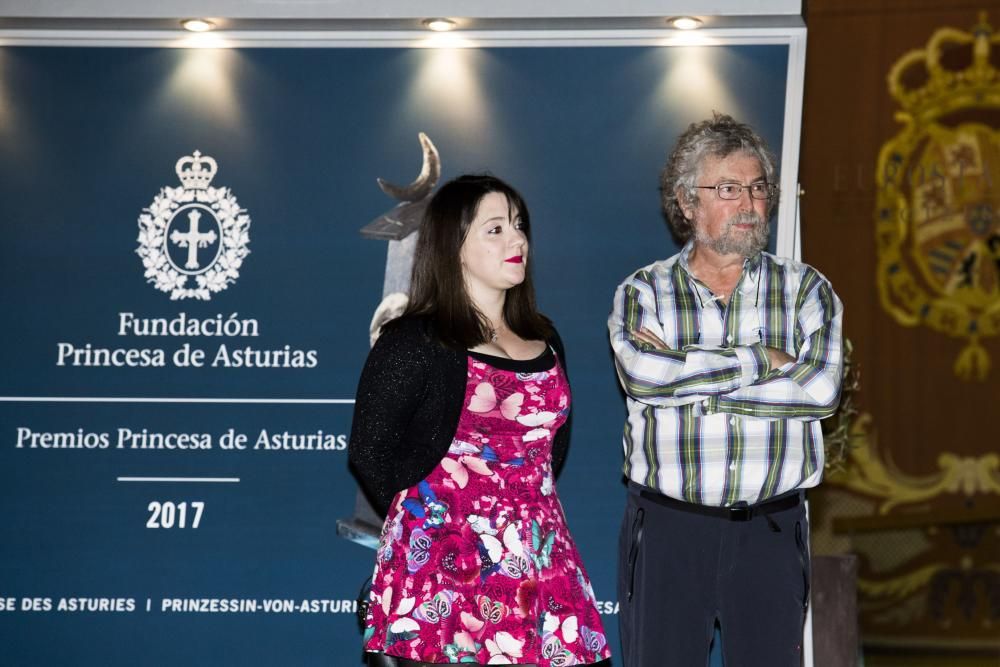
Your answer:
<point x="729" y="357"/>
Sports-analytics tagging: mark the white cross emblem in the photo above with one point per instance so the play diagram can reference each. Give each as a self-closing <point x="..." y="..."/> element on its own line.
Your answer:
<point x="192" y="239"/>
<point x="201" y="204"/>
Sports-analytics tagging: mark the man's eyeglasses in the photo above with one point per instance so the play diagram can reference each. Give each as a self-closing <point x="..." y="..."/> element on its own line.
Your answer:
<point x="758" y="190"/>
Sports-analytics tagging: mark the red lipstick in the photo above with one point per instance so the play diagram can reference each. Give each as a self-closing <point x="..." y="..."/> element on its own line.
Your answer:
<point x="516" y="259"/>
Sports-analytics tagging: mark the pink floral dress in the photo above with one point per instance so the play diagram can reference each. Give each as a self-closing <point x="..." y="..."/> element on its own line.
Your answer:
<point x="475" y="563"/>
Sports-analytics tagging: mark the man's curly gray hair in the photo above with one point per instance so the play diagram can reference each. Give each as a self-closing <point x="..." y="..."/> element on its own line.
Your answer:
<point x="719" y="136"/>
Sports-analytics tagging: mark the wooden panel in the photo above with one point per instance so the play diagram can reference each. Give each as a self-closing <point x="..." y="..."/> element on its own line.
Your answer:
<point x="919" y="409"/>
<point x="835" y="611"/>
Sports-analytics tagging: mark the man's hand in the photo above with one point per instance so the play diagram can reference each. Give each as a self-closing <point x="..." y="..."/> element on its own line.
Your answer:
<point x="778" y="357"/>
<point x="646" y="336"/>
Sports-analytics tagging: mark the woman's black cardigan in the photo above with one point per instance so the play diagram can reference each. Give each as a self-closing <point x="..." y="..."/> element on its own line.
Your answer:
<point x="407" y="408"/>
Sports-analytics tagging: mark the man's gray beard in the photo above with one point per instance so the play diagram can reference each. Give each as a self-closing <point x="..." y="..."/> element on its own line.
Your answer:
<point x="745" y="244"/>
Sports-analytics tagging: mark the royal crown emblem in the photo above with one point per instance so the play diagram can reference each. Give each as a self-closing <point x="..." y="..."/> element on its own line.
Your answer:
<point x="938" y="208"/>
<point x="193" y="239"/>
<point x="196" y="171"/>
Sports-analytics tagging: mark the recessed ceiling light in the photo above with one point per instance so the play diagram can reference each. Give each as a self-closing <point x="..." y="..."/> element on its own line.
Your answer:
<point x="197" y="25"/>
<point x="439" y="25"/>
<point x="685" y="22"/>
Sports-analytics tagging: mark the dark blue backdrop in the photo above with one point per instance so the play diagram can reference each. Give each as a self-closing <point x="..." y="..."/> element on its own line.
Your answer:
<point x="89" y="136"/>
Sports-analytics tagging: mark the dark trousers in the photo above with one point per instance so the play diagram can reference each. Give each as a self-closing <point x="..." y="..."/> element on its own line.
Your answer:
<point x="680" y="572"/>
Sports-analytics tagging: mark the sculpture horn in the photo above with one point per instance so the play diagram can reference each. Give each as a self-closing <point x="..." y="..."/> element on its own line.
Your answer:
<point x="430" y="173"/>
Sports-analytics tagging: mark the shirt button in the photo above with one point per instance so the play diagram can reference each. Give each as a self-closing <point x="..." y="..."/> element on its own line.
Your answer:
<point x="732" y="466"/>
<point x="729" y="339"/>
<point x="732" y="420"/>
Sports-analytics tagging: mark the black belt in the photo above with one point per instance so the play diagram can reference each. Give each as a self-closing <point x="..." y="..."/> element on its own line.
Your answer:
<point x="741" y="511"/>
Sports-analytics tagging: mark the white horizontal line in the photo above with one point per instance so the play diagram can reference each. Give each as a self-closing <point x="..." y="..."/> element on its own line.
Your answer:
<point x="214" y="480"/>
<point x="780" y="34"/>
<point x="123" y="399"/>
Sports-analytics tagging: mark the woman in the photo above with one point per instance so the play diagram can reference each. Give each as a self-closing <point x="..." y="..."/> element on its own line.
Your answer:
<point x="458" y="428"/>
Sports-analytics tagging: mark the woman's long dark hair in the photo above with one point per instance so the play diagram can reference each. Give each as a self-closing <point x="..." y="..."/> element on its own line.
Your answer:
<point x="437" y="286"/>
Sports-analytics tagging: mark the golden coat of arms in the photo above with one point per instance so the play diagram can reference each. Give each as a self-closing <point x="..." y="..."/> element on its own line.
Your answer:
<point x="938" y="208"/>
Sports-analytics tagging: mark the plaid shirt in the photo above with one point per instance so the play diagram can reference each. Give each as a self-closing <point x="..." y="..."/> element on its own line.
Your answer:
<point x="709" y="420"/>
